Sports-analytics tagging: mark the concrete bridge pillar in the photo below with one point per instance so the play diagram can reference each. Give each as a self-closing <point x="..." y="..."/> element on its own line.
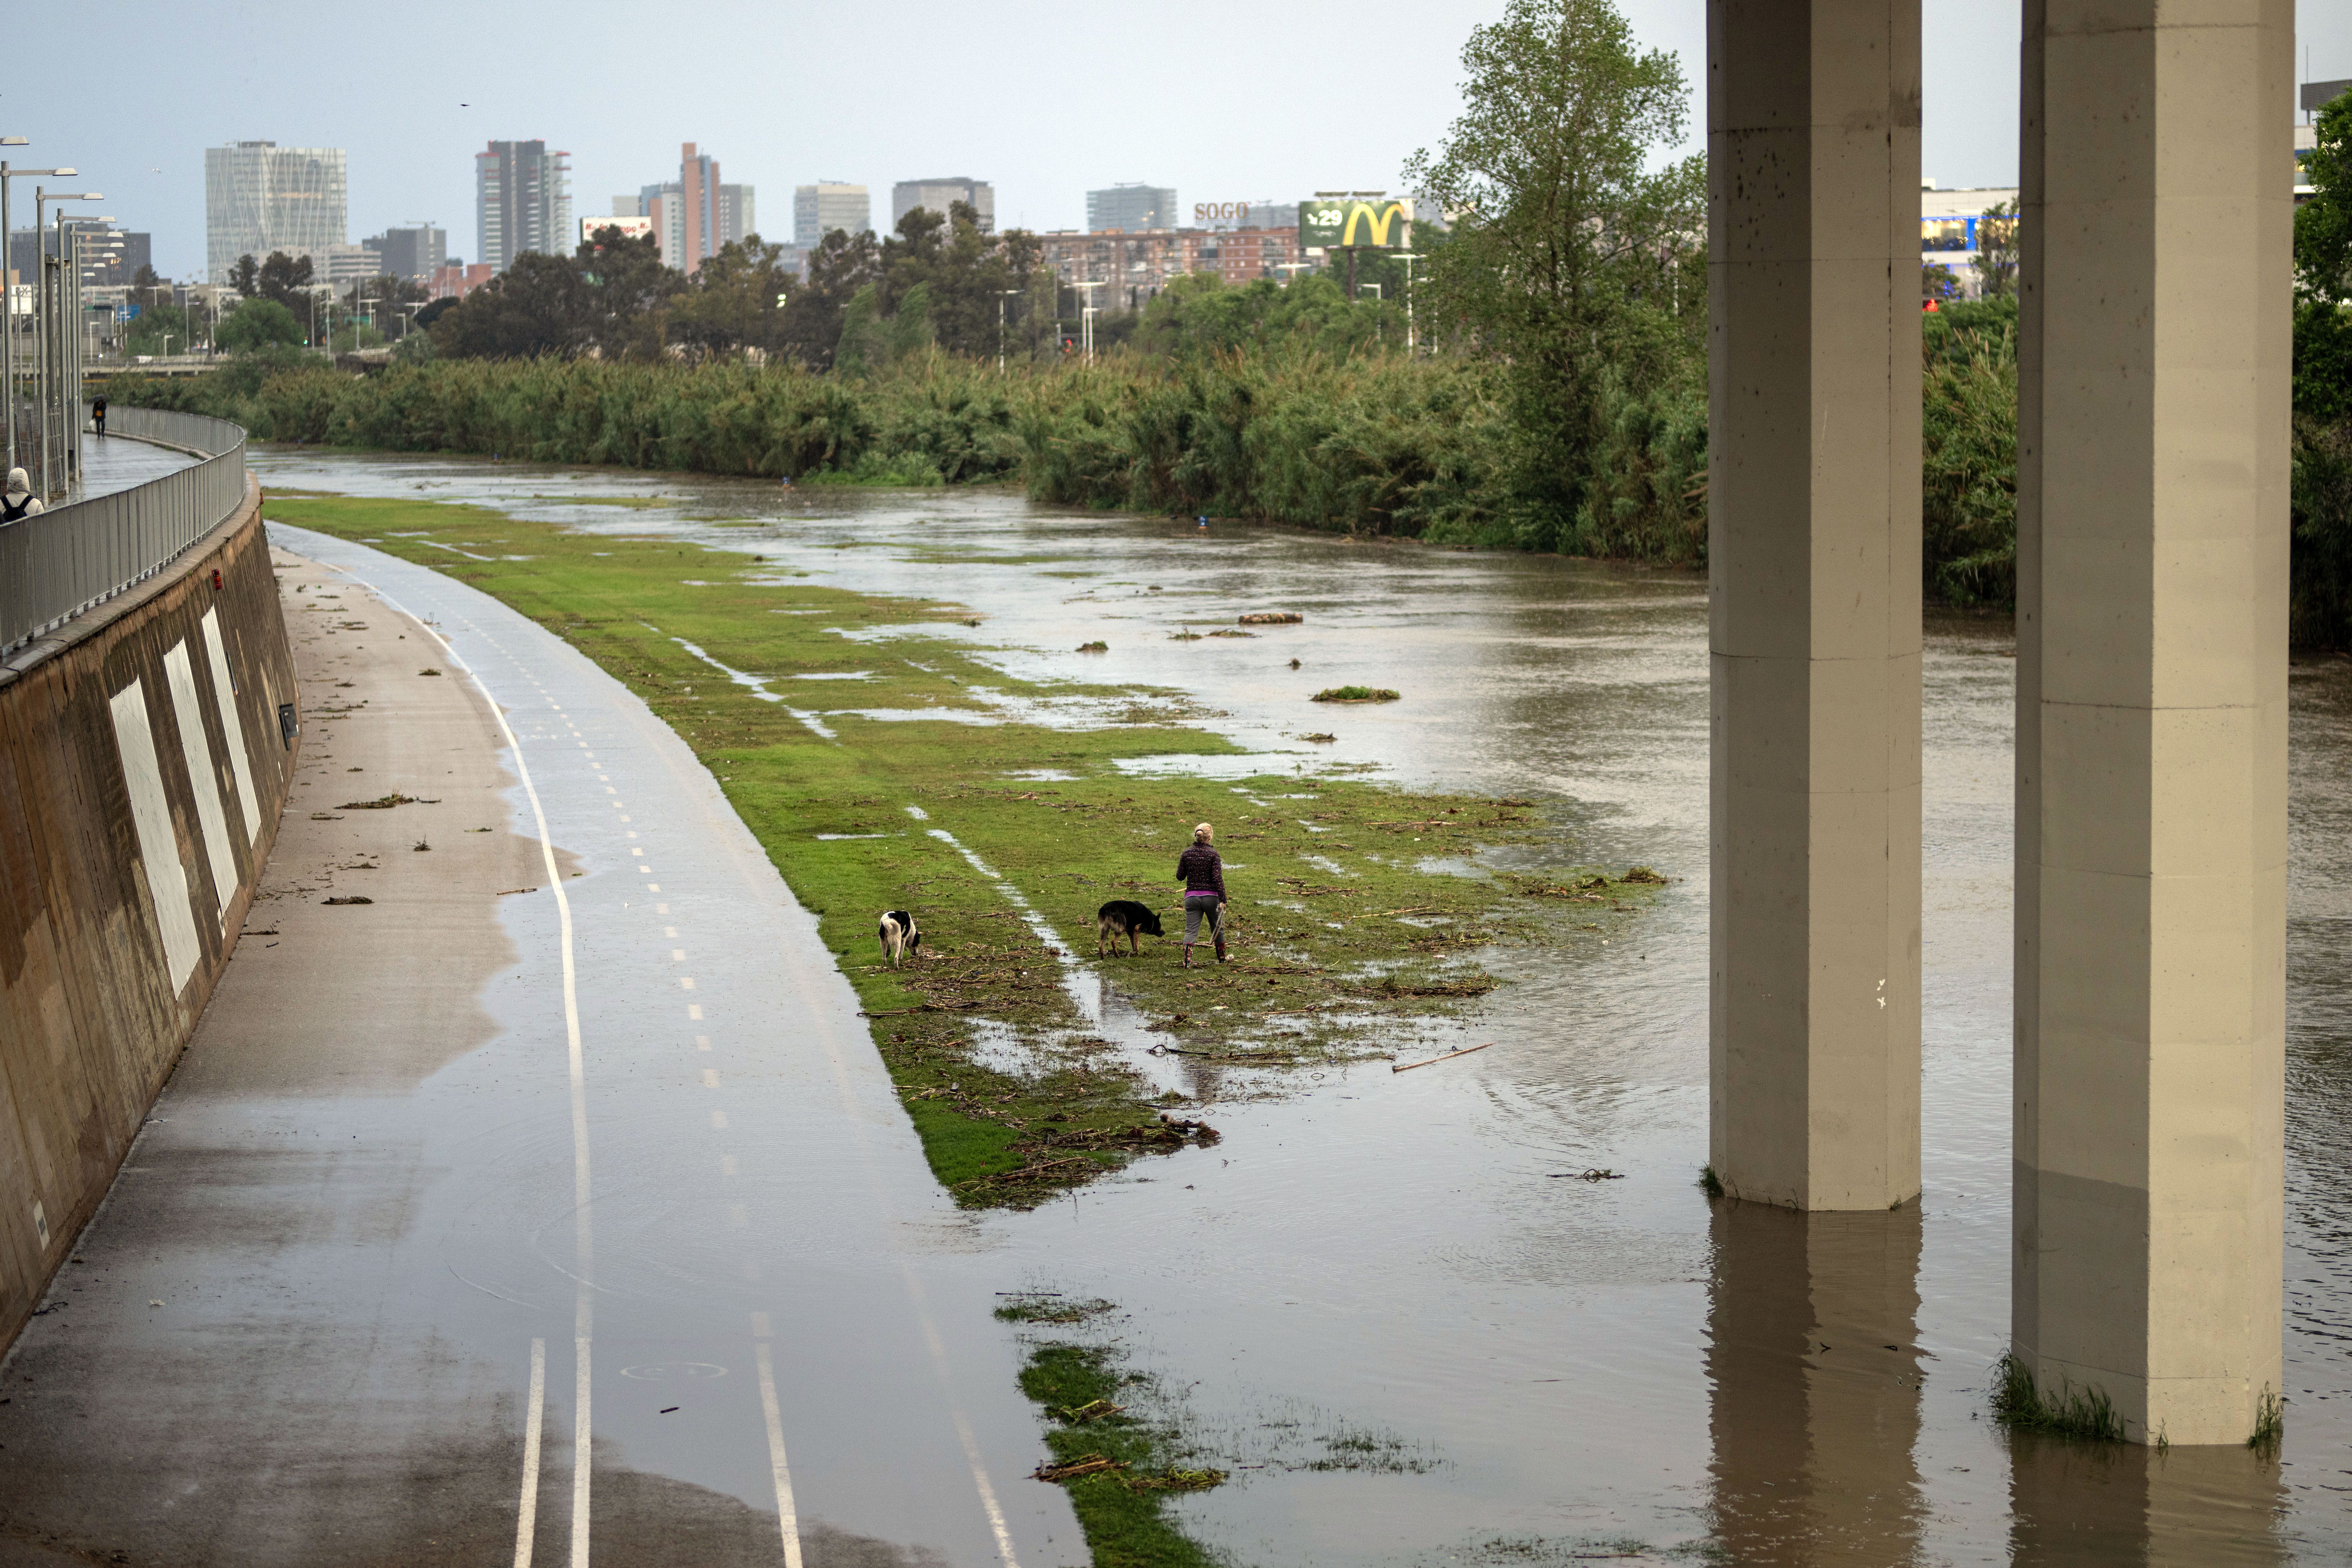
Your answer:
<point x="1814" y="542"/>
<point x="2151" y="702"/>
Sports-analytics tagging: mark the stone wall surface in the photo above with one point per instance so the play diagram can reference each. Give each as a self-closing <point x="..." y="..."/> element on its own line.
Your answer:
<point x="143" y="768"/>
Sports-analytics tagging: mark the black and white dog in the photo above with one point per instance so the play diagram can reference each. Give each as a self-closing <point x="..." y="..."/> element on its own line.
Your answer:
<point x="1124" y="917"/>
<point x="899" y="937"/>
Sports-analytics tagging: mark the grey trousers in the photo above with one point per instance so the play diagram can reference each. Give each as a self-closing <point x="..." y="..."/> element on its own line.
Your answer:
<point x="1194" y="908"/>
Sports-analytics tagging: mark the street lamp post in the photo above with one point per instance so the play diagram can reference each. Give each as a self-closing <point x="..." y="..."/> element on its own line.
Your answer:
<point x="8" y="312"/>
<point x="70" y="341"/>
<point x="1408" y="257"/>
<point x="1002" y="296"/>
<point x="1086" y="318"/>
<point x="47" y="302"/>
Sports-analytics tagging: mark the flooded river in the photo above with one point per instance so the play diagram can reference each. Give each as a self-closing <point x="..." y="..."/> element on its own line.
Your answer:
<point x="1379" y="1291"/>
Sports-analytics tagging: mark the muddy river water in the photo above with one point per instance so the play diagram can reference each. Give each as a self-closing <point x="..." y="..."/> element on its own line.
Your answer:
<point x="1377" y="1290"/>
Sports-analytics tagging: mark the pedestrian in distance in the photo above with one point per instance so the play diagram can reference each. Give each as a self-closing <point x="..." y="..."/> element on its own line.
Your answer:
<point x="1204" y="876"/>
<point x="19" y="501"/>
<point x="98" y="416"/>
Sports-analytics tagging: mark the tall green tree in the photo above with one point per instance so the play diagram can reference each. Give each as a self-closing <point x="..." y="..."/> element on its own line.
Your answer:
<point x="964" y="275"/>
<point x="2322" y="451"/>
<point x="538" y="305"/>
<point x="261" y="324"/>
<point x="1996" y="255"/>
<point x="835" y="270"/>
<point x="1571" y="256"/>
<point x="627" y="294"/>
<point x="735" y="301"/>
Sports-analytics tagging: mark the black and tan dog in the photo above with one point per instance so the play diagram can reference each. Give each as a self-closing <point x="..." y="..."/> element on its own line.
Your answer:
<point x="899" y="937"/>
<point x="1124" y="917"/>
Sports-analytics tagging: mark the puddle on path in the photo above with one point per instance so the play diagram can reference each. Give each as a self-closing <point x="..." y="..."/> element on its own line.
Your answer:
<point x="1582" y="1360"/>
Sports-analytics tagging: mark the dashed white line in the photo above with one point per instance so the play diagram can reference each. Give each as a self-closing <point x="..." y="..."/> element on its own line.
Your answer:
<point x="534" y="1425"/>
<point x="787" y="1520"/>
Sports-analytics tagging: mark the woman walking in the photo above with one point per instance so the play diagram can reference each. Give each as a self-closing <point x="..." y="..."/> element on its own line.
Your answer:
<point x="1204" y="876"/>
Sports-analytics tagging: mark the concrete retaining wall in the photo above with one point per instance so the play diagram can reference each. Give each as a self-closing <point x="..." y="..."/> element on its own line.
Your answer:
<point x="142" y="772"/>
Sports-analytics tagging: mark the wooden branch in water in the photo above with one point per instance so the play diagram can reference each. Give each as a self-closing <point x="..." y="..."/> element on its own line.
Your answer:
<point x="1408" y="1066"/>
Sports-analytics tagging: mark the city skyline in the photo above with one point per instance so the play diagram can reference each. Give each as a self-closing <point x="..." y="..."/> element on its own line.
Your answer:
<point x="245" y="75"/>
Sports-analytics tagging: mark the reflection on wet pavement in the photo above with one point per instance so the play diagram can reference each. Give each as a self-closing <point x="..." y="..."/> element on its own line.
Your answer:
<point x="1584" y="1361"/>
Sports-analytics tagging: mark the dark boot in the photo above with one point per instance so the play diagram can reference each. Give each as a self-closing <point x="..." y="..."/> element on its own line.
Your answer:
<point x="1188" y="955"/>
<point x="1221" y="950"/>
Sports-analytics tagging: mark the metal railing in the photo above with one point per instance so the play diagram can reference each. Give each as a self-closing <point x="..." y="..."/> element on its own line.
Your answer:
<point x="57" y="563"/>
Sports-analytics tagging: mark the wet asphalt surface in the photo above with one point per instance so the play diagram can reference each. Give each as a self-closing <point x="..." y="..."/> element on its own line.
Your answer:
<point x="386" y="1194"/>
<point x="1375" y="1301"/>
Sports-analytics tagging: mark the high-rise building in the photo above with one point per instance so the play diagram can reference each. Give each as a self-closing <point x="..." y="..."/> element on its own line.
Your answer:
<point x="664" y="207"/>
<point x="260" y="197"/>
<point x="111" y="256"/>
<point x="341" y="266"/>
<point x="938" y="196"/>
<point x="522" y="202"/>
<point x="819" y="209"/>
<point x="415" y="252"/>
<point x="735" y="218"/>
<point x="1131" y="207"/>
<point x="693" y="214"/>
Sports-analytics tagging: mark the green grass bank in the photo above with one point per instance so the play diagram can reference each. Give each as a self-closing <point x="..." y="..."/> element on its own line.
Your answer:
<point x="1342" y="933"/>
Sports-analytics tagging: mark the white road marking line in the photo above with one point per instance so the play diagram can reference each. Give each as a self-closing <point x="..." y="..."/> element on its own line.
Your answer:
<point x="738" y="1217"/>
<point x="787" y="1520"/>
<point x="231" y="727"/>
<point x="760" y="1330"/>
<point x="718" y="1121"/>
<point x="694" y="1011"/>
<point x="710" y="1078"/>
<point x="583" y="1238"/>
<point x="702" y="1042"/>
<point x="527" y="1515"/>
<point x="653" y="887"/>
<point x="685" y="982"/>
<point x="159" y="847"/>
<point x="677" y="954"/>
<point x="955" y="1407"/>
<point x="727" y="1166"/>
<point x="582" y="1446"/>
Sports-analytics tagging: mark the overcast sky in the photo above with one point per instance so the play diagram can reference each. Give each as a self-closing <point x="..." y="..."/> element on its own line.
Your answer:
<point x="1225" y="99"/>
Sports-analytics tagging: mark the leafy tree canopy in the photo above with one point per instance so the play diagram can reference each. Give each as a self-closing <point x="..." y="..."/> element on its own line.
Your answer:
<point x="1570" y="255"/>
<point x="260" y="324"/>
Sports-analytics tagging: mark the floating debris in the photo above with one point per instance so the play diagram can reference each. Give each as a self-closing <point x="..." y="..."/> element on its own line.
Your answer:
<point x="354" y="899"/>
<point x="1408" y="1066"/>
<point x="1356" y="694"/>
<point x="1272" y="618"/>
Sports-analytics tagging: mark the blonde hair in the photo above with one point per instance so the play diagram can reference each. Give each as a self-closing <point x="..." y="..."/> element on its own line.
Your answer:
<point x="1204" y="833"/>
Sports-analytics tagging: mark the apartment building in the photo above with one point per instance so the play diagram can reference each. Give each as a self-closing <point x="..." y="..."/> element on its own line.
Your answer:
<point x="938" y="196"/>
<point x="260" y="197"/>
<point x="522" y="202"/>
<point x="819" y="209"/>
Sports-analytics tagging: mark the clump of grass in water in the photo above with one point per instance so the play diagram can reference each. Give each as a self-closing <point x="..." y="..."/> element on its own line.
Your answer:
<point x="1048" y="1308"/>
<point x="2270" y="1423"/>
<point x="1117" y="1502"/>
<point x="1710" y="1182"/>
<point x="1355" y="694"/>
<point x="2018" y="1401"/>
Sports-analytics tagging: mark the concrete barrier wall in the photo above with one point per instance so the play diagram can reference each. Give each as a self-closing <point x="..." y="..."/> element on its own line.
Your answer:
<point x="142" y="772"/>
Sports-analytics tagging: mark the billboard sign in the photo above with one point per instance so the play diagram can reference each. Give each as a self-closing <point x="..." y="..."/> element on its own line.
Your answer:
<point x="1242" y="215"/>
<point x="630" y="227"/>
<point x="1329" y="222"/>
